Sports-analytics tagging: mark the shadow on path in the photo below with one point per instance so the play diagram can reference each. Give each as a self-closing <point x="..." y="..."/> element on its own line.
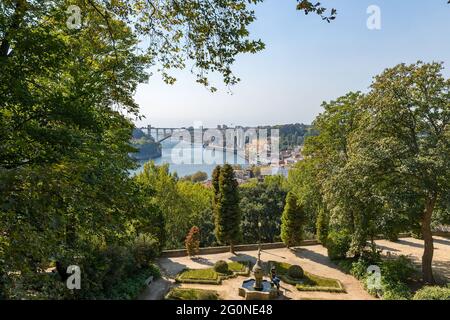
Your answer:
<point x="442" y="241"/>
<point x="156" y="290"/>
<point x="170" y="267"/>
<point x="319" y="258"/>
<point x="386" y="248"/>
<point x="201" y="260"/>
<point x="410" y="243"/>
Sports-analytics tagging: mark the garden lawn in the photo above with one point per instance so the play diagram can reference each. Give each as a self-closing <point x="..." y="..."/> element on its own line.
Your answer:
<point x="309" y="282"/>
<point x="209" y="276"/>
<point x="192" y="294"/>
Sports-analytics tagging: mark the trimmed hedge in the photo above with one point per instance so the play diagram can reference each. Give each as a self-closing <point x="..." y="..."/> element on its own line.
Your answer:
<point x="210" y="276"/>
<point x="192" y="294"/>
<point x="432" y="293"/>
<point x="310" y="282"/>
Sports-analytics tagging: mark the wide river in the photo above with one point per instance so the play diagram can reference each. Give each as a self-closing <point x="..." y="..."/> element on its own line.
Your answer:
<point x="186" y="159"/>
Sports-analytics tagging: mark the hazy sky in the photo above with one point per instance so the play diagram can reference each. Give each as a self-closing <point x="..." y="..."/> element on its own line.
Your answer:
<point x="306" y="61"/>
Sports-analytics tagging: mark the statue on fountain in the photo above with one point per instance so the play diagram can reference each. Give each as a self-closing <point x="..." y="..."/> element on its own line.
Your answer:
<point x="258" y="272"/>
<point x="257" y="288"/>
<point x="274" y="278"/>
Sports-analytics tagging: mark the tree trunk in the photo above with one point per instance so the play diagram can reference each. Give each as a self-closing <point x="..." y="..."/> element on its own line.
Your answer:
<point x="427" y="258"/>
<point x="17" y="18"/>
<point x="232" y="247"/>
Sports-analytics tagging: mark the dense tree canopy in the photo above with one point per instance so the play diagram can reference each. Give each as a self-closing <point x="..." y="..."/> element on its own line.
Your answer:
<point x="380" y="164"/>
<point x="261" y="204"/>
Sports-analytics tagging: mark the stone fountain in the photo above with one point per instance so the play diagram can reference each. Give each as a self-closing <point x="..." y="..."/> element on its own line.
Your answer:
<point x="258" y="288"/>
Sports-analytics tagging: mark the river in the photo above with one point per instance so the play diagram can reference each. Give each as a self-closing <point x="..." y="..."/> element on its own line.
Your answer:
<point x="197" y="158"/>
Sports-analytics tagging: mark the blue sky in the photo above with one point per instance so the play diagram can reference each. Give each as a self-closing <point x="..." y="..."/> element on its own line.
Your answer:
<point x="306" y="61"/>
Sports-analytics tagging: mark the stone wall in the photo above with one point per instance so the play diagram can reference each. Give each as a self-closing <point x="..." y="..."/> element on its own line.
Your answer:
<point x="265" y="246"/>
<point x="241" y="247"/>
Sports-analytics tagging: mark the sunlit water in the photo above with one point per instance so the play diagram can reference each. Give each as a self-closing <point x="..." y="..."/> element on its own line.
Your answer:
<point x="186" y="159"/>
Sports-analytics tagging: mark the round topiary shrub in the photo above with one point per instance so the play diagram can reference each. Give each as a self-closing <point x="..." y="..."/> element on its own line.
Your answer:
<point x="295" y="272"/>
<point x="221" y="267"/>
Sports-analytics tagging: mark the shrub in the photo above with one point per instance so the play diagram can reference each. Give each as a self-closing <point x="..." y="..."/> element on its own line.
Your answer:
<point x="144" y="249"/>
<point x="395" y="290"/>
<point x="192" y="241"/>
<point x="397" y="270"/>
<point x="432" y="293"/>
<point x="130" y="287"/>
<point x="322" y="227"/>
<point x="394" y="275"/>
<point x="359" y="268"/>
<point x="292" y="221"/>
<point x="221" y="267"/>
<point x="338" y="244"/>
<point x="295" y="272"/>
<point x="192" y="294"/>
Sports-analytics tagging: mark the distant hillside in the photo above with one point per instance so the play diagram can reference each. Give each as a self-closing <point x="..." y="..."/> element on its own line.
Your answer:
<point x="148" y="148"/>
<point x="292" y="135"/>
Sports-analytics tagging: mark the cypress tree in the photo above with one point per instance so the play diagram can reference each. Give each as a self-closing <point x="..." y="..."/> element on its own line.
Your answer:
<point x="215" y="183"/>
<point x="226" y="208"/>
<point x="292" y="221"/>
<point x="322" y="226"/>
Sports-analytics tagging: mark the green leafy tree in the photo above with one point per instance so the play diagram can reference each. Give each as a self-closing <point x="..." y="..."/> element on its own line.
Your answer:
<point x="262" y="204"/>
<point x="226" y="208"/>
<point x="406" y="151"/>
<point x="181" y="203"/>
<point x="292" y="221"/>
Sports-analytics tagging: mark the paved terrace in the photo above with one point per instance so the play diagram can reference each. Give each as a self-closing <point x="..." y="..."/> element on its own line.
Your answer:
<point x="312" y="258"/>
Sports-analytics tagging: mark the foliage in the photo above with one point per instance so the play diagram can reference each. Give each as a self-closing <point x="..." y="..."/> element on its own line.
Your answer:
<point x="322" y="226"/>
<point x="238" y="267"/>
<point x="192" y="241"/>
<point x="211" y="276"/>
<point x="262" y="204"/>
<point x="407" y="111"/>
<point x="207" y="275"/>
<point x="309" y="281"/>
<point x="182" y="204"/>
<point x="65" y="122"/>
<point x="292" y="221"/>
<point x="399" y="269"/>
<point x="432" y="293"/>
<point x="192" y="294"/>
<point x="295" y="272"/>
<point x="145" y="248"/>
<point x="199" y="176"/>
<point x="380" y="165"/>
<point x="395" y="274"/>
<point x="130" y="287"/>
<point x="226" y="206"/>
<point x="221" y="267"/>
<point x="291" y="135"/>
<point x="338" y="245"/>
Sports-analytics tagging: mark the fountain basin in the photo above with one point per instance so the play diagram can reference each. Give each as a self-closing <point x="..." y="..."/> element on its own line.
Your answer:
<point x="267" y="292"/>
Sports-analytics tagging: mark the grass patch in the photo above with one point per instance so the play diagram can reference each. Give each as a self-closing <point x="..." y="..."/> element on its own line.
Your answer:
<point x="237" y="266"/>
<point x="209" y="276"/>
<point x="310" y="282"/>
<point x="192" y="294"/>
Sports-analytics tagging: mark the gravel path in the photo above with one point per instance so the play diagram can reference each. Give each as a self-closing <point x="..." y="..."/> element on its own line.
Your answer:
<point x="313" y="259"/>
